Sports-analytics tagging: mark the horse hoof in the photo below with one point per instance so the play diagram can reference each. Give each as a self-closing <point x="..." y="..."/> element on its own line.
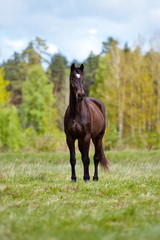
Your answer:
<point x="73" y="179"/>
<point x="86" y="179"/>
<point x="95" y="179"/>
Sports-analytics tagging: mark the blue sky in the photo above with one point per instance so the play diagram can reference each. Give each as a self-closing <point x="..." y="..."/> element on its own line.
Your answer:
<point x="73" y="27"/>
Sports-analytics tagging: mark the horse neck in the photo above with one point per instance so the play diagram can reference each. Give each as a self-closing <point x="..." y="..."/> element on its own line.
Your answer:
<point x="75" y="107"/>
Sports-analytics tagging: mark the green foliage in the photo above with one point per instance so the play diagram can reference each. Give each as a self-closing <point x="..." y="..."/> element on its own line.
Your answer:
<point x="11" y="137"/>
<point x="38" y="107"/>
<point x="59" y="74"/>
<point x="51" y="142"/>
<point x="91" y="67"/>
<point x="16" y="72"/>
<point x="108" y="44"/>
<point x="30" y="55"/>
<point x="57" y="70"/>
<point x="149" y="140"/>
<point x="127" y="81"/>
<point x="153" y="140"/>
<point x="128" y="84"/>
<point x="4" y="94"/>
<point x="16" y="68"/>
<point x="111" y="137"/>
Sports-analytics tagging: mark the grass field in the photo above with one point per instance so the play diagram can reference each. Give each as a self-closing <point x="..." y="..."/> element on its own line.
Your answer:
<point x="38" y="200"/>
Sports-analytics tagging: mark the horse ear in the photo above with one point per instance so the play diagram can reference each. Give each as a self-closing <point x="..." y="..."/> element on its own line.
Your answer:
<point x="82" y="67"/>
<point x="72" y="67"/>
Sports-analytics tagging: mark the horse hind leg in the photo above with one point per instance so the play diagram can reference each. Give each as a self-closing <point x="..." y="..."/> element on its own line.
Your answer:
<point x="96" y="162"/>
<point x="96" y="158"/>
<point x="99" y="156"/>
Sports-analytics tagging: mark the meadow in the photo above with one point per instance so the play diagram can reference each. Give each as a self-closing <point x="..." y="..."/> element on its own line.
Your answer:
<point x="39" y="201"/>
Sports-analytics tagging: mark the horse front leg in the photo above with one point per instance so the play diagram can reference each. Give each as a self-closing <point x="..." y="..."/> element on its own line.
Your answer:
<point x="71" y="145"/>
<point x="83" y="145"/>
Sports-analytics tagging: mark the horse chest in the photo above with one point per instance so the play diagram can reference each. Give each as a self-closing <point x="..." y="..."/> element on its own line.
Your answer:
<point x="77" y="128"/>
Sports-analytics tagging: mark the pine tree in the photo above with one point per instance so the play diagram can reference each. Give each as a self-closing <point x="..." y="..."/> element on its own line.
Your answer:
<point x="59" y="75"/>
<point x="91" y="67"/>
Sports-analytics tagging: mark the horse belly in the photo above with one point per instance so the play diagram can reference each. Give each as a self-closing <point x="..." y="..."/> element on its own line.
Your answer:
<point x="97" y="121"/>
<point x="97" y="128"/>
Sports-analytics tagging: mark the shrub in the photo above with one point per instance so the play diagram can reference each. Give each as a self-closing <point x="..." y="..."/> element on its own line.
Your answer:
<point x="111" y="137"/>
<point x="11" y="136"/>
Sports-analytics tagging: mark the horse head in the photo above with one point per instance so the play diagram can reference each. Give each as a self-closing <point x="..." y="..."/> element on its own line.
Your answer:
<point x="76" y="82"/>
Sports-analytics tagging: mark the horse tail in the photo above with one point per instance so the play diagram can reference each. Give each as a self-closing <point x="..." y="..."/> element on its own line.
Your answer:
<point x="103" y="160"/>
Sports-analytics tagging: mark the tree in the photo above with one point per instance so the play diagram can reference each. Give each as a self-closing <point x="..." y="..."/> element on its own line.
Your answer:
<point x="10" y="130"/>
<point x="11" y="136"/>
<point x="111" y="42"/>
<point x="57" y="70"/>
<point x="16" y="68"/>
<point x="126" y="48"/>
<point x="36" y="52"/>
<point x="38" y="107"/>
<point x="15" y="72"/>
<point x="30" y="55"/>
<point x="59" y="75"/>
<point x="91" y="67"/>
<point x="4" y="94"/>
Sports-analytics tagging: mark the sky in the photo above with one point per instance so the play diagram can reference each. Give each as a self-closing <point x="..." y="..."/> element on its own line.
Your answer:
<point x="75" y="27"/>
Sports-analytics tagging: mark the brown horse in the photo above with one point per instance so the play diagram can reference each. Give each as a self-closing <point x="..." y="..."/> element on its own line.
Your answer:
<point x="84" y="120"/>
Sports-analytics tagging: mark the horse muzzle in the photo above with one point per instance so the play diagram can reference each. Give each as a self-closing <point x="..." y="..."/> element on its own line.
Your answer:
<point x="80" y="95"/>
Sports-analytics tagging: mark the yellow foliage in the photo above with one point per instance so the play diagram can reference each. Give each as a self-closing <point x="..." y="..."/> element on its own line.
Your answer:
<point x="4" y="94"/>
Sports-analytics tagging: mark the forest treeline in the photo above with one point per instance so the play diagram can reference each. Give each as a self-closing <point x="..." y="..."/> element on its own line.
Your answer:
<point x="34" y="93"/>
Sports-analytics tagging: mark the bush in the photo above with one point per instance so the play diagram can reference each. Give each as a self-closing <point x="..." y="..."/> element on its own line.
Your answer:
<point x="11" y="136"/>
<point x="153" y="140"/>
<point x="111" y="137"/>
<point x="49" y="141"/>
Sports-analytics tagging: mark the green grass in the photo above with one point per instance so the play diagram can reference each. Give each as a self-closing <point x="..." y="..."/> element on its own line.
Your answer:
<point x="38" y="200"/>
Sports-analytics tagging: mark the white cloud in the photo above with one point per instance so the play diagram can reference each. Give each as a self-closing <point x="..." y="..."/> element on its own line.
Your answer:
<point x="52" y="48"/>
<point x="92" y="31"/>
<point x="17" y="45"/>
<point x="9" y="46"/>
<point x="82" y="48"/>
<point x="75" y="27"/>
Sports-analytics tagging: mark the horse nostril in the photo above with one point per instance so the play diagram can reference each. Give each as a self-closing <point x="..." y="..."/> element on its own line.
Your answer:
<point x="80" y="96"/>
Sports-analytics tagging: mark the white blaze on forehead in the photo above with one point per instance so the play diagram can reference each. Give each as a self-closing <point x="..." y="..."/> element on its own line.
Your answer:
<point x="78" y="75"/>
